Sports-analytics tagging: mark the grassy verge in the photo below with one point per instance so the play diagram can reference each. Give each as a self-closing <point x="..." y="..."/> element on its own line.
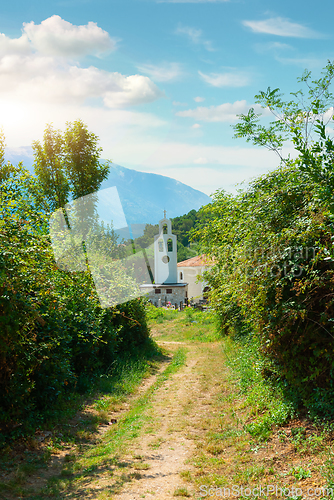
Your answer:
<point x="254" y="435"/>
<point x="189" y="325"/>
<point x="76" y="422"/>
<point x="268" y="406"/>
<point x="246" y="433"/>
<point x="92" y="468"/>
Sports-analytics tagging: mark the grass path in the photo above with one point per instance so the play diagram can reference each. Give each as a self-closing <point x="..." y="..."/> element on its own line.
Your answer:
<point x="186" y="433"/>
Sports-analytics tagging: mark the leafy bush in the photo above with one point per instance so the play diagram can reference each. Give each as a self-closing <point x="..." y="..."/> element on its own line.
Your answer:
<point x="54" y="335"/>
<point x="272" y="245"/>
<point x="273" y="275"/>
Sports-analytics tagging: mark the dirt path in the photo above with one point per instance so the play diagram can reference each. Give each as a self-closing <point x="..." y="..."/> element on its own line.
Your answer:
<point x="167" y="444"/>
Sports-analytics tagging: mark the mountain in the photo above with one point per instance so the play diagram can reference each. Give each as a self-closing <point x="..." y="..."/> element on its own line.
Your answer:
<point x="143" y="196"/>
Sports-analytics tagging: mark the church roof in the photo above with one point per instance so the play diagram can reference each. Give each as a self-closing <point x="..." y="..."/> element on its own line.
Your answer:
<point x="199" y="260"/>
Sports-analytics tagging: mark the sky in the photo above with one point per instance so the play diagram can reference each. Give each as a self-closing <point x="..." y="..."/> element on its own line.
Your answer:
<point x="161" y="82"/>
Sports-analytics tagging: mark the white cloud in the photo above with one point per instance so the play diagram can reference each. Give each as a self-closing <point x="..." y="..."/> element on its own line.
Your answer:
<point x="163" y="72"/>
<point x="196" y="125"/>
<point x="226" y="112"/>
<point x="236" y="79"/>
<point x="224" y="167"/>
<point x="36" y="88"/>
<point x="208" y="180"/>
<point x="199" y="99"/>
<point x="31" y="69"/>
<point x="42" y="79"/>
<point x="281" y="27"/>
<point x="24" y="122"/>
<point x="312" y="63"/>
<point x="14" y="46"/>
<point x="57" y="37"/>
<point x="195" y="36"/>
<point x="272" y="46"/>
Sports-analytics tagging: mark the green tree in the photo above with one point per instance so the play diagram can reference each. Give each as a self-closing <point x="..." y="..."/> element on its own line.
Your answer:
<point x="67" y="164"/>
<point x="54" y="335"/>
<point x="82" y="160"/>
<point x="302" y="121"/>
<point x="49" y="168"/>
<point x="6" y="169"/>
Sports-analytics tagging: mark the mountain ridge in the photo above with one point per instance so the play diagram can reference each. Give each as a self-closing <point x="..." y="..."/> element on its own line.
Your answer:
<point x="144" y="196"/>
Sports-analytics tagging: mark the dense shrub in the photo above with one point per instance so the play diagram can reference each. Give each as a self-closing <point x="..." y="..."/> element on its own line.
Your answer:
<point x="273" y="276"/>
<point x="272" y="244"/>
<point x="54" y="335"/>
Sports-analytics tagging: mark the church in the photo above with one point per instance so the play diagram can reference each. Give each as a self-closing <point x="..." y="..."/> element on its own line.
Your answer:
<point x="166" y="287"/>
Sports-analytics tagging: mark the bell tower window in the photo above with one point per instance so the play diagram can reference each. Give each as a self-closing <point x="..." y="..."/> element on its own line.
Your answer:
<point x="169" y="245"/>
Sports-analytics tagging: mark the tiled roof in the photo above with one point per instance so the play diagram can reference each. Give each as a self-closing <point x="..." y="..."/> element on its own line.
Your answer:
<point x="199" y="260"/>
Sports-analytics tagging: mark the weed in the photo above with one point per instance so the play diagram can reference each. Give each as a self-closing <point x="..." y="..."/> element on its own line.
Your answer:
<point x="215" y="448"/>
<point x="266" y="401"/>
<point x="328" y="469"/>
<point x="141" y="466"/>
<point x="155" y="444"/>
<point x="186" y="475"/>
<point x="90" y="469"/>
<point x="249" y="474"/>
<point x="282" y="436"/>
<point x="300" y="473"/>
<point x="181" y="492"/>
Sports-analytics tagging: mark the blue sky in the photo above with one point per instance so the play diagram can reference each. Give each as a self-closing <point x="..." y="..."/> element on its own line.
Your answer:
<point x="160" y="82"/>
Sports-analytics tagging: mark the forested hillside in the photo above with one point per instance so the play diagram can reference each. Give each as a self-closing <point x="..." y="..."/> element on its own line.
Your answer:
<point x="182" y="227"/>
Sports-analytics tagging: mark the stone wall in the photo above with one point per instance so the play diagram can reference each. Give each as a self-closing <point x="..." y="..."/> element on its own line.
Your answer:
<point x="178" y="295"/>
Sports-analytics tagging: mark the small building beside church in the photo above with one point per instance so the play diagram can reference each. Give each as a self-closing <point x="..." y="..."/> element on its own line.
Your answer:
<point x="190" y="271"/>
<point x="166" y="287"/>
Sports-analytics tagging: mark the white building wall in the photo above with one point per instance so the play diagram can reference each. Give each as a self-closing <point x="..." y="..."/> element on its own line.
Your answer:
<point x="190" y="275"/>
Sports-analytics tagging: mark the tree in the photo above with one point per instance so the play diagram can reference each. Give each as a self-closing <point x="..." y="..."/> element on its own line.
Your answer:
<point x="81" y="160"/>
<point x="68" y="165"/>
<point x="49" y="167"/>
<point x="302" y="120"/>
<point x="6" y="169"/>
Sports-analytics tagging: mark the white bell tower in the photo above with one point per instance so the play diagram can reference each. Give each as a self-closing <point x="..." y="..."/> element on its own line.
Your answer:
<point x="165" y="253"/>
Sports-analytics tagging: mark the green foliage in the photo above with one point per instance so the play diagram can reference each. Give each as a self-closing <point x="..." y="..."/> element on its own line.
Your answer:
<point x="182" y="227"/>
<point x="267" y="399"/>
<point x="295" y="119"/>
<point x="67" y="164"/>
<point x="54" y="336"/>
<point x="272" y="246"/>
<point x="160" y="314"/>
<point x="300" y="473"/>
<point x="82" y="165"/>
<point x="5" y="169"/>
<point x="49" y="168"/>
